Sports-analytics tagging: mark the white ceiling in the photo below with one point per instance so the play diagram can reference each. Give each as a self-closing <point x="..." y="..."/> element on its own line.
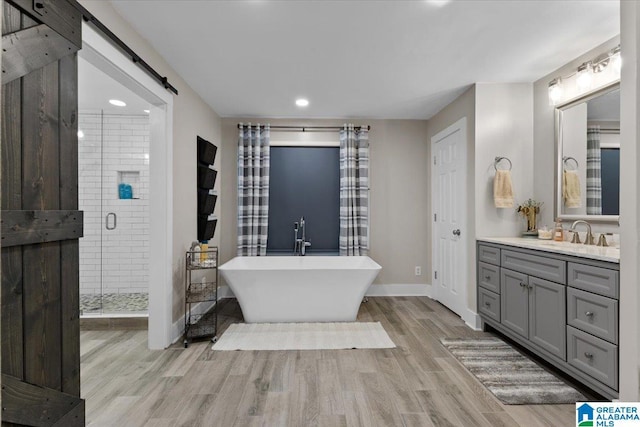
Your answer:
<point x="362" y="59"/>
<point x="95" y="89"/>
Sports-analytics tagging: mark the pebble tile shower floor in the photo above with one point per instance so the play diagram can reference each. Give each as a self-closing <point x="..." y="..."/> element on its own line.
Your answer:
<point x="114" y="303"/>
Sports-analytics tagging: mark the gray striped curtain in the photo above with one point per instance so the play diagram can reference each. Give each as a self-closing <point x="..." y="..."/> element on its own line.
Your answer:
<point x="253" y="190"/>
<point x="594" y="183"/>
<point x="354" y="191"/>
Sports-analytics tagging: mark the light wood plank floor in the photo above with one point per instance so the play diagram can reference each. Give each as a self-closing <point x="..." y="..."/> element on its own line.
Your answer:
<point x="416" y="384"/>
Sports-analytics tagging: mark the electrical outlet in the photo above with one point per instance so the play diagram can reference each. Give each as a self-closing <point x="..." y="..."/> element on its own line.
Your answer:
<point x="418" y="270"/>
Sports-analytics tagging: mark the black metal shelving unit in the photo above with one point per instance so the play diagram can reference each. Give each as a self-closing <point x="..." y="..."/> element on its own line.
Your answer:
<point x="201" y="287"/>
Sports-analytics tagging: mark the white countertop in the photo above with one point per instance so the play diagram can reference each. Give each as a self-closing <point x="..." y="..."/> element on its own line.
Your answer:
<point x="600" y="253"/>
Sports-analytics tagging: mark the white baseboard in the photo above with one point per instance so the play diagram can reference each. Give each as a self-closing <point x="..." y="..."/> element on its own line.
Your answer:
<point x="472" y="319"/>
<point x="225" y="292"/>
<point x="399" y="290"/>
<point x="177" y="328"/>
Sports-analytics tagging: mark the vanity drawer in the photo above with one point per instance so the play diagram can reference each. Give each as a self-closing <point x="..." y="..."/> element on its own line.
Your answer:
<point x="489" y="276"/>
<point x="598" y="280"/>
<point x="534" y="265"/>
<point x="593" y="356"/>
<point x="489" y="304"/>
<point x="593" y="313"/>
<point x="489" y="254"/>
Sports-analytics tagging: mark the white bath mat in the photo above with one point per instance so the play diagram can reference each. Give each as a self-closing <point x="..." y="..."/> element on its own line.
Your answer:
<point x="304" y="336"/>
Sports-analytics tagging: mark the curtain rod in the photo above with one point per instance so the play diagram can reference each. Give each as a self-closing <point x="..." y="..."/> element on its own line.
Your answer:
<point x="88" y="17"/>
<point x="311" y="128"/>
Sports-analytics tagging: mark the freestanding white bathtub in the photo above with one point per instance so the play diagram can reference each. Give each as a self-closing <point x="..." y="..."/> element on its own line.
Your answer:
<point x="300" y="289"/>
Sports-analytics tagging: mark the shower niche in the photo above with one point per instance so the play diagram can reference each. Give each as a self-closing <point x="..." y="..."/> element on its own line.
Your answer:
<point x="207" y="197"/>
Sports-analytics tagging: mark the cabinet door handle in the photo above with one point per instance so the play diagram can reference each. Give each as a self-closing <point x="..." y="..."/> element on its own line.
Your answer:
<point x="487" y="303"/>
<point x="530" y="286"/>
<point x="487" y="277"/>
<point x="588" y="313"/>
<point x="588" y="355"/>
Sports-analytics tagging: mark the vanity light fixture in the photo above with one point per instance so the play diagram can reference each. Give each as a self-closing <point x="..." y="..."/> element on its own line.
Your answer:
<point x="555" y="91"/>
<point x="301" y="102"/>
<point x="117" y="103"/>
<point x="585" y="76"/>
<point x="80" y="134"/>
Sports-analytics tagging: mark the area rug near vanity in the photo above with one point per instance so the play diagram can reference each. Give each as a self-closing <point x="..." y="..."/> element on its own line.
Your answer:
<point x="510" y="376"/>
<point x="304" y="336"/>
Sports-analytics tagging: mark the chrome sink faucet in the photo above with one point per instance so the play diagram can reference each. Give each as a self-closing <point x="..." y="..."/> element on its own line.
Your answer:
<point x="589" y="239"/>
<point x="301" y="244"/>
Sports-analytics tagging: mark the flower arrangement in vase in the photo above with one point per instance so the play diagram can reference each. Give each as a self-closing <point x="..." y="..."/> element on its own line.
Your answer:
<point x="529" y="210"/>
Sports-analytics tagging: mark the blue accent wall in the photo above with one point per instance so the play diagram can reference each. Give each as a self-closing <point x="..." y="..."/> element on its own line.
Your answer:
<point x="304" y="181"/>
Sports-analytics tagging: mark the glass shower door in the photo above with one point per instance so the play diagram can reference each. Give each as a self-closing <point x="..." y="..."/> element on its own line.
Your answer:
<point x="125" y="213"/>
<point x="90" y="202"/>
<point x="113" y="193"/>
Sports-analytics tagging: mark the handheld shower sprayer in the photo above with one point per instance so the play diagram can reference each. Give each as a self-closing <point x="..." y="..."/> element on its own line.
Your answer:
<point x="300" y="244"/>
<point x="295" y="238"/>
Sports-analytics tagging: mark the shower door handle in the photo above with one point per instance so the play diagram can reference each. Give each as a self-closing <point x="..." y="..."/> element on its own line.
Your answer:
<point x="115" y="221"/>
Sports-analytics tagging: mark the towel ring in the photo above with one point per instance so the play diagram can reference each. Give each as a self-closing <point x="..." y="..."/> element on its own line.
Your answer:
<point x="499" y="159"/>
<point x="566" y="159"/>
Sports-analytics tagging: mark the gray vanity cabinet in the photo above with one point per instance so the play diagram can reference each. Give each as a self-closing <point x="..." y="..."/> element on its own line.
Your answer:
<point x="514" y="302"/>
<point x="534" y="308"/>
<point x="547" y="316"/>
<point x="562" y="308"/>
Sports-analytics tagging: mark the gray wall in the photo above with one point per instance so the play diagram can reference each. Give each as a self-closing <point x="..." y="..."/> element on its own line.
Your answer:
<point x="629" y="208"/>
<point x="400" y="186"/>
<point x="504" y="127"/>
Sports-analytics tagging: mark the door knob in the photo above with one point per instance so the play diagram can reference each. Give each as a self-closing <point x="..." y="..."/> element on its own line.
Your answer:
<point x="456" y="232"/>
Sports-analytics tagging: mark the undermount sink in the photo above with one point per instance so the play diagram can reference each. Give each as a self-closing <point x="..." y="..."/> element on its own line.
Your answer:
<point x="554" y="243"/>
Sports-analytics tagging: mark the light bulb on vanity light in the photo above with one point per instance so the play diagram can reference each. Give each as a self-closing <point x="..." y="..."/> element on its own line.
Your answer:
<point x="302" y="102"/>
<point x="616" y="60"/>
<point x="555" y="91"/>
<point x="585" y="76"/>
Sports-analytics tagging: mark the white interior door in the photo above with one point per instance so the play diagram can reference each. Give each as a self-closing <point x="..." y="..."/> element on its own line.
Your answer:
<point x="449" y="197"/>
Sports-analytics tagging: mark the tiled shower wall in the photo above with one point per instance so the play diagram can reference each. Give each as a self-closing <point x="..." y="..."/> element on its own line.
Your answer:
<point x="114" y="147"/>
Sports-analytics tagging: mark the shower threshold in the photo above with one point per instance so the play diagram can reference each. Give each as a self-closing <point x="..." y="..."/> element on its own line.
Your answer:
<point x="114" y="305"/>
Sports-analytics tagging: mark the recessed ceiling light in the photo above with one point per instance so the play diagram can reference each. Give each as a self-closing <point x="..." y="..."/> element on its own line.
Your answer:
<point x="301" y="102"/>
<point x="146" y="111"/>
<point x="117" y="103"/>
<point x="438" y="3"/>
<point x="80" y="134"/>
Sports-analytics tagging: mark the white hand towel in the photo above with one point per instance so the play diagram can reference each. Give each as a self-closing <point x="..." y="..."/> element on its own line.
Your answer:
<point x="502" y="189"/>
<point x="571" y="189"/>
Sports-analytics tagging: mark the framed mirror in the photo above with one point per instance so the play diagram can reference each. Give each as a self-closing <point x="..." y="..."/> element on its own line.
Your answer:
<point x="588" y="156"/>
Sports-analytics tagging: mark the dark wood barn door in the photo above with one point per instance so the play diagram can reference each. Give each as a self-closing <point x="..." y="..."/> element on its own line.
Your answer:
<point x="41" y="223"/>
